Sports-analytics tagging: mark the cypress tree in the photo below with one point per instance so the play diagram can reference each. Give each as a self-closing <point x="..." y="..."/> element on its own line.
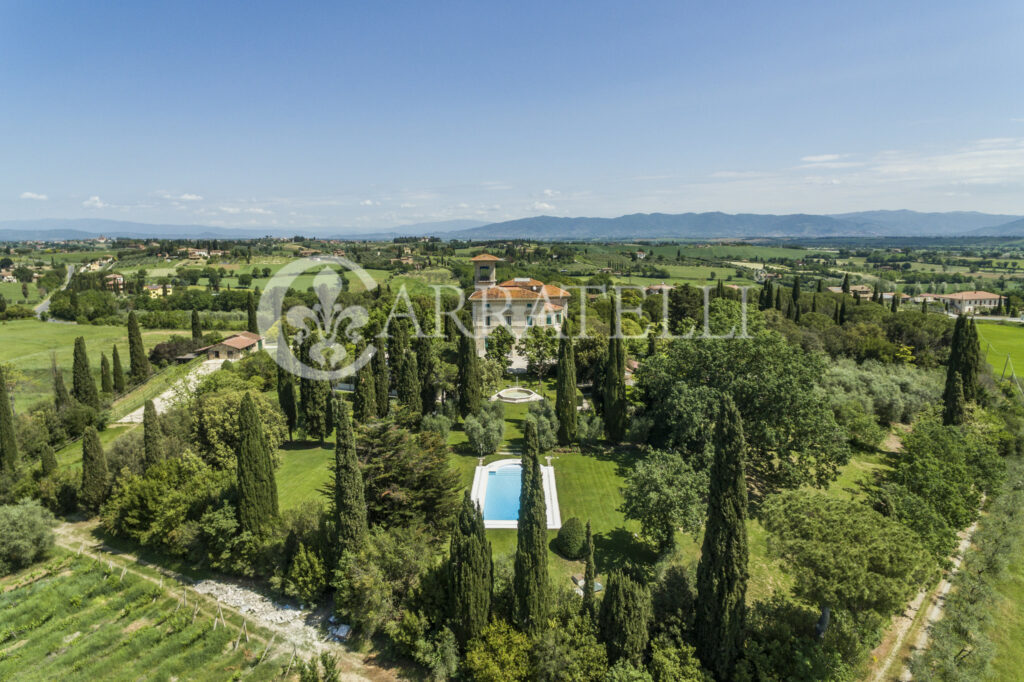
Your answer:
<point x="257" y="491"/>
<point x="625" y="618"/>
<point x="313" y="396"/>
<point x="83" y="386"/>
<point x="250" y="310"/>
<point x="118" y="371"/>
<point x="615" y="391"/>
<point x="842" y="313"/>
<point x="970" y="361"/>
<point x="349" y="506"/>
<point x="954" y="411"/>
<point x="364" y="400"/>
<point x="8" y="442"/>
<point x="530" y="579"/>
<point x="427" y="363"/>
<point x="778" y="299"/>
<point x="565" y="391"/>
<point x="796" y="289"/>
<point x="821" y="285"/>
<point x="470" y="386"/>
<point x="61" y="397"/>
<point x="106" y="381"/>
<point x="531" y="439"/>
<point x="381" y="379"/>
<point x="856" y="297"/>
<point x="835" y="314"/>
<point x="652" y="347"/>
<point x="94" y="470"/>
<point x="197" y="328"/>
<point x="796" y="312"/>
<point x="138" y="363"/>
<point x="814" y="302"/>
<point x="722" y="571"/>
<point x="846" y="283"/>
<point x="470" y="573"/>
<point x="48" y="460"/>
<point x="589" y="577"/>
<point x="288" y="404"/>
<point x="924" y="306"/>
<point x="152" y="435"/>
<point x="895" y="304"/>
<point x="408" y="388"/>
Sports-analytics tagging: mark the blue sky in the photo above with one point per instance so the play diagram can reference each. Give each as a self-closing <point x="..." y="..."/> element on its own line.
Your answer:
<point x="376" y="114"/>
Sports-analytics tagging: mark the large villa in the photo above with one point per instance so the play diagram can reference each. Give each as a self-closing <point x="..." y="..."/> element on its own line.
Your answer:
<point x="516" y="304"/>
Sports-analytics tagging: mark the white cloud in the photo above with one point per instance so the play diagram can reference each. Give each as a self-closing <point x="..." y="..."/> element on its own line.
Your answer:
<point x="551" y="192"/>
<point x="235" y="210"/>
<point x="94" y="202"/>
<point x="190" y="197"/>
<point x="33" y="195"/>
<point x="369" y="202"/>
<point x="818" y="158"/>
<point x="541" y="206"/>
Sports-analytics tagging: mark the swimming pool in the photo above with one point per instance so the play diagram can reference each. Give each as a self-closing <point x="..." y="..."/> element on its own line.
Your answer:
<point x="502" y="500"/>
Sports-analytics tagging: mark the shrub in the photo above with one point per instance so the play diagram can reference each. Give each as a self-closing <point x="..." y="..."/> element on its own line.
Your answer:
<point x="571" y="537"/>
<point x="438" y="423"/>
<point x="26" y="535"/>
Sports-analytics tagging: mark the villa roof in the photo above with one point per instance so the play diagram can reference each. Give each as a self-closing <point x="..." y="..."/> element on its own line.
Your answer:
<point x="485" y="257"/>
<point x="555" y="292"/>
<point x="522" y="282"/>
<point x="970" y="295"/>
<point x="501" y="293"/>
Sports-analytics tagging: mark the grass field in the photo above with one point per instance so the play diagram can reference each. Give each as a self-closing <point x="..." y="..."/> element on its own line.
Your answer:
<point x="11" y="291"/>
<point x="83" y="621"/>
<point x="27" y="345"/>
<point x="1000" y="340"/>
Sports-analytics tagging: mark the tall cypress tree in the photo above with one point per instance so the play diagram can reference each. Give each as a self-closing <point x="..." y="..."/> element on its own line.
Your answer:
<point x="8" y="442"/>
<point x="970" y="361"/>
<point x="814" y="302"/>
<point x="257" y="490"/>
<point x="778" y="299"/>
<point x="565" y="392"/>
<point x="530" y="579"/>
<point x="954" y="411"/>
<point x="349" y="502"/>
<point x="106" y="380"/>
<point x="589" y="577"/>
<point x="381" y="379"/>
<point x="722" y="571"/>
<point x="625" y="619"/>
<point x="138" y="363"/>
<point x="118" y="371"/>
<point x="796" y="289"/>
<point x="615" y="391"/>
<point x="152" y="436"/>
<point x="894" y="305"/>
<point x="288" y="404"/>
<point x="531" y="439"/>
<point x="61" y="397"/>
<point x="83" y="386"/>
<point x="408" y="384"/>
<point x="250" y="310"/>
<point x="364" y="400"/>
<point x="470" y="573"/>
<point x="846" y="283"/>
<point x="842" y="313"/>
<point x="427" y="363"/>
<point x="94" y="470"/>
<point x="197" y="328"/>
<point x="470" y="385"/>
<point x="313" y="395"/>
<point x="821" y="285"/>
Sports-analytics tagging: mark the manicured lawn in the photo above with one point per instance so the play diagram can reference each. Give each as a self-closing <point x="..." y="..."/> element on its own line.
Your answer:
<point x="11" y="291"/>
<point x="304" y="470"/>
<point x="1000" y="340"/>
<point x="70" y="456"/>
<point x="1007" y="632"/>
<point x="27" y="345"/>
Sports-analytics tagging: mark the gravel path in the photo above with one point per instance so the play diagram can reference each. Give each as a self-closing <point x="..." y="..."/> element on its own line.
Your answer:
<point x="164" y="400"/>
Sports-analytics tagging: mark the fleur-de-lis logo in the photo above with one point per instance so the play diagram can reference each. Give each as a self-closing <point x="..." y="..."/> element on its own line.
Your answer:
<point x="327" y="326"/>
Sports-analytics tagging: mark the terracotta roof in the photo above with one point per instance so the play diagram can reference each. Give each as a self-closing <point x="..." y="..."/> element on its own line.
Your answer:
<point x="239" y="342"/>
<point x="484" y="257"/>
<point x="522" y="282"/>
<point x="552" y="308"/>
<point x="502" y="293"/>
<point x="555" y="292"/>
<point x="965" y="295"/>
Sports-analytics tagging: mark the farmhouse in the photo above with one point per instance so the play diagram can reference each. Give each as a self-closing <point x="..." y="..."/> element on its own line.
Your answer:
<point x="970" y="301"/>
<point x="233" y="347"/>
<point x="158" y="290"/>
<point x="114" y="282"/>
<point x="516" y="304"/>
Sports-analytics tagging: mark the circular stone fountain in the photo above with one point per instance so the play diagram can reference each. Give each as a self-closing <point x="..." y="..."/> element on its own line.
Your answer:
<point x="517" y="394"/>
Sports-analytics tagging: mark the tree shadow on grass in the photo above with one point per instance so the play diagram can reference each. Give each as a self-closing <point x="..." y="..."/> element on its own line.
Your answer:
<point x="618" y="549"/>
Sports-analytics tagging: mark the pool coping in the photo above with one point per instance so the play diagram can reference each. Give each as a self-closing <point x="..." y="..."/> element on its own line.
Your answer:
<point x="479" y="493"/>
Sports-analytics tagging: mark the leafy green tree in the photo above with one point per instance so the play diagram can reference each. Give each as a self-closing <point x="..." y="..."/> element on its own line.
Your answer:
<point x="674" y="663"/>
<point x="106" y="380"/>
<point x="530" y="577"/>
<point x="470" y="385"/>
<point x="349" y="500"/>
<point x="565" y="392"/>
<point x="152" y="435"/>
<point x="625" y="618"/>
<point x="568" y="651"/>
<point x="48" y="460"/>
<point x="118" y="372"/>
<point x="500" y="343"/>
<point x="538" y="345"/>
<point x="250" y="312"/>
<point x="257" y="489"/>
<point x="844" y="554"/>
<point x="215" y="435"/>
<point x="615" y="417"/>
<point x="722" y="570"/>
<point x="665" y="494"/>
<point x="570" y="539"/>
<point x="484" y="431"/>
<point x="8" y="441"/>
<point x="197" y="328"/>
<point x="306" y="578"/>
<point x="499" y="654"/>
<point x="589" y="606"/>
<point x="95" y="477"/>
<point x="138" y="365"/>
<point x="470" y="573"/>
<point x="83" y="386"/>
<point x="26" y="535"/>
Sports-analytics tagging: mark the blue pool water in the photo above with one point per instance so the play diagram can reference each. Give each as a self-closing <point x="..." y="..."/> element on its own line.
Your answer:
<point x="501" y="502"/>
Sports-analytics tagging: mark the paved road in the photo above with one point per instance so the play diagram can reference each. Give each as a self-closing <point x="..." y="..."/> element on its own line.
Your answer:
<point x="164" y="400"/>
<point x="45" y="305"/>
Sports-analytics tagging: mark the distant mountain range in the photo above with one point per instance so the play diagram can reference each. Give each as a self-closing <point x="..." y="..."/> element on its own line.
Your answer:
<point x="628" y="227"/>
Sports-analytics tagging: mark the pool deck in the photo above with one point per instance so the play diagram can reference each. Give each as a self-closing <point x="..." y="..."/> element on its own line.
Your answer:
<point x="479" y="494"/>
